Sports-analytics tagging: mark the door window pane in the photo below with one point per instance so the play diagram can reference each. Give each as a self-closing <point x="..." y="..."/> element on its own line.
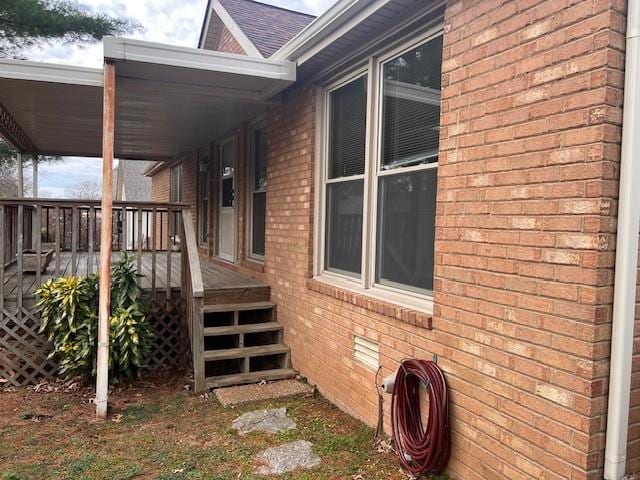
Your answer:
<point x="406" y="229"/>
<point x="227" y="174"/>
<point x="347" y="130"/>
<point x="343" y="241"/>
<point x="411" y="107"/>
<point x="258" y="225"/>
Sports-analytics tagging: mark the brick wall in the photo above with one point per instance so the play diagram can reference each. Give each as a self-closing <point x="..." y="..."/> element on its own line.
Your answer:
<point x="228" y="43"/>
<point x="161" y="191"/>
<point x="526" y="215"/>
<point x="527" y="186"/>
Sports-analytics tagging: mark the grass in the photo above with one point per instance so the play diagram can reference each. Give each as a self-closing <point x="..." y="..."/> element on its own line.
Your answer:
<point x="164" y="433"/>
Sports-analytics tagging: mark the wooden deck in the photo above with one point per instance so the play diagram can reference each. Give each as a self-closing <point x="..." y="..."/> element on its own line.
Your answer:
<point x="221" y="285"/>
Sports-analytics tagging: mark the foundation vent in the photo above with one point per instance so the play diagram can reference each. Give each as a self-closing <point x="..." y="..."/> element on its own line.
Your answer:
<point x="367" y="352"/>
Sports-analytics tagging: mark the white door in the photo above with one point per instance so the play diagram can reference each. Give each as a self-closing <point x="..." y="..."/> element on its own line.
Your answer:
<point x="227" y="211"/>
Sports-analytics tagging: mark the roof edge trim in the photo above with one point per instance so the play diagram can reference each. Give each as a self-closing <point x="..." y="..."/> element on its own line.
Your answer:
<point x="51" y="72"/>
<point x="125" y="49"/>
<point x="235" y="30"/>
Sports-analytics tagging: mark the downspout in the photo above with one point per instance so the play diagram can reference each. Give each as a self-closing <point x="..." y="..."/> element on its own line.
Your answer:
<point x="624" y="298"/>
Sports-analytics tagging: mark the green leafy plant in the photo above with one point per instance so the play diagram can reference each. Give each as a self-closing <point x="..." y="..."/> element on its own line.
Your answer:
<point x="69" y="311"/>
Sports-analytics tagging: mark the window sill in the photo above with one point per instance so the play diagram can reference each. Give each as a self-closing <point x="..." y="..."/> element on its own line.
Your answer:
<point x="390" y="305"/>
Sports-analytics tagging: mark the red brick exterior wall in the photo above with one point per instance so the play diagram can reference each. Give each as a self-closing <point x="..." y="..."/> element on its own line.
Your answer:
<point x="160" y="186"/>
<point x="527" y="201"/>
<point x="228" y="43"/>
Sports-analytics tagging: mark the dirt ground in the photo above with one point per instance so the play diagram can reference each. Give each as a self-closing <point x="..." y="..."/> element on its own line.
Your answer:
<point x="160" y="430"/>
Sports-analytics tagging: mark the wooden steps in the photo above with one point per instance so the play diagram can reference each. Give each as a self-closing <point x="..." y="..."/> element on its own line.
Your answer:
<point x="252" y="377"/>
<point x="245" y="352"/>
<point x="237" y="329"/>
<point x="243" y="342"/>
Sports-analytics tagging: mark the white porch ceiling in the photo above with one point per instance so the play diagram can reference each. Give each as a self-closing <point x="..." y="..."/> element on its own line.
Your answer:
<point x="169" y="100"/>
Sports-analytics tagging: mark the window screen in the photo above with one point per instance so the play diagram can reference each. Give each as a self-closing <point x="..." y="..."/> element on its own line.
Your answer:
<point x="410" y="136"/>
<point x="343" y="241"/>
<point x="258" y="226"/>
<point x="344" y="195"/>
<point x="411" y="107"/>
<point x="406" y="229"/>
<point x="347" y="130"/>
<point x="260" y="160"/>
<point x="259" y="195"/>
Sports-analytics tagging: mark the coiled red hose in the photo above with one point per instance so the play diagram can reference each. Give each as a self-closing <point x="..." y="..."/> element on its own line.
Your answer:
<point x="422" y="449"/>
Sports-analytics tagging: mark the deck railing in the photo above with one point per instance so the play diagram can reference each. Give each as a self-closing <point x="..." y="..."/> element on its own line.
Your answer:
<point x="38" y="235"/>
<point x="43" y="238"/>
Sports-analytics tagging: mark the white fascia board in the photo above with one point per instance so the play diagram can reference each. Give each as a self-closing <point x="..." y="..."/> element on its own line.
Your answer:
<point x="319" y="28"/>
<point x="205" y="26"/>
<point x="352" y="19"/>
<point x="236" y="31"/>
<point x="51" y="72"/>
<point x="125" y="49"/>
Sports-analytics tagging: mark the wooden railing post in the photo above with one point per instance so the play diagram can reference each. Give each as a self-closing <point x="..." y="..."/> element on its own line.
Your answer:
<point x="19" y="257"/>
<point x="108" y="140"/>
<point x="3" y="238"/>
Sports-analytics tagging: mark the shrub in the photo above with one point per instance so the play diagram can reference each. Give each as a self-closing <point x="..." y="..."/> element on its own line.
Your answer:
<point x="69" y="311"/>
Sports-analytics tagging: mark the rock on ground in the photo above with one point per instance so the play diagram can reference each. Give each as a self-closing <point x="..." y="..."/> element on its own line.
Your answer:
<point x="287" y="458"/>
<point x="271" y="421"/>
<point x="260" y="391"/>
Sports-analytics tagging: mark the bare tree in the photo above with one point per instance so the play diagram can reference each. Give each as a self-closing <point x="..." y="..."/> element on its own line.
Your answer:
<point x="85" y="190"/>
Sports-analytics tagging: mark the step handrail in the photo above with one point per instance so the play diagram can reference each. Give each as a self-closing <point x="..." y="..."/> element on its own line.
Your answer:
<point x="193" y="295"/>
<point x="191" y="250"/>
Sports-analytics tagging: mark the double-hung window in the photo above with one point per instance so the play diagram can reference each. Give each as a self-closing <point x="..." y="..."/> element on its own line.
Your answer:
<point x="380" y="174"/>
<point x="203" y="197"/>
<point x="258" y="192"/>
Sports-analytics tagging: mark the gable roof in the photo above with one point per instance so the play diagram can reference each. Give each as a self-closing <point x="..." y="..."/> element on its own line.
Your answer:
<point x="136" y="186"/>
<point x="266" y="27"/>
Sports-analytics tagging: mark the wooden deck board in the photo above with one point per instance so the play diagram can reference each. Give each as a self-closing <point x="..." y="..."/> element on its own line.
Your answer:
<point x="215" y="277"/>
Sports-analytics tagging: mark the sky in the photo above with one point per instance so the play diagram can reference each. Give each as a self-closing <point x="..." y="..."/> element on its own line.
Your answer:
<point x="176" y="22"/>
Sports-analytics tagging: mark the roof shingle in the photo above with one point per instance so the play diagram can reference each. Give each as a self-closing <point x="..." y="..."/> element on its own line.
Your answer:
<point x="268" y="27"/>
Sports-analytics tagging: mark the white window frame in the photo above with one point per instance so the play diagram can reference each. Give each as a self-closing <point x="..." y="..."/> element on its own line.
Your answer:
<point x="258" y="124"/>
<point x="358" y="74"/>
<point x="406" y="296"/>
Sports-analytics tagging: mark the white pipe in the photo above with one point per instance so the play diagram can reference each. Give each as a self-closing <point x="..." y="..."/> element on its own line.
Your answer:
<point x="624" y="298"/>
<point x="20" y="176"/>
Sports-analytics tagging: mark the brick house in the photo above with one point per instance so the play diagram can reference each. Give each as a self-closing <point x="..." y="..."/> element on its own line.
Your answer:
<point x="435" y="178"/>
<point x="506" y="274"/>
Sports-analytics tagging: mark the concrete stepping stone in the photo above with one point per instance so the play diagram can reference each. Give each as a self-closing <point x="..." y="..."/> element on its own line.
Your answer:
<point x="271" y="421"/>
<point x="285" y="458"/>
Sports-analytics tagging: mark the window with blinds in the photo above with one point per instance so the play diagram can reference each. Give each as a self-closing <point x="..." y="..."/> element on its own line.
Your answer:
<point x="411" y="107"/>
<point x="345" y="182"/>
<point x="386" y="201"/>
<point x="259" y="193"/>
<point x="347" y="131"/>
<point x="410" y="138"/>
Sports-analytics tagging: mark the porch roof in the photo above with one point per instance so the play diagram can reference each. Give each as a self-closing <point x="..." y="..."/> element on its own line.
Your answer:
<point x="169" y="100"/>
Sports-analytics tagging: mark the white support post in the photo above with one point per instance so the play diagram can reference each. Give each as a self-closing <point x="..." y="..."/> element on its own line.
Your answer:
<point x="35" y="175"/>
<point x="20" y="176"/>
<point x="104" y="304"/>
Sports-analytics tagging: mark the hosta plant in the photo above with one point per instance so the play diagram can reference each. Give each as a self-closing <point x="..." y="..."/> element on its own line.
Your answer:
<point x="69" y="311"/>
